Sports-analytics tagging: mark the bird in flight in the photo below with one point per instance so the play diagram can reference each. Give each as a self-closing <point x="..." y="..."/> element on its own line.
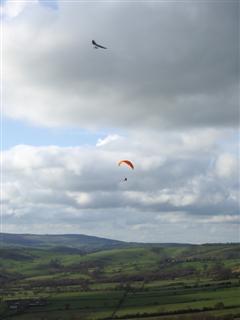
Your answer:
<point x="96" y="45"/>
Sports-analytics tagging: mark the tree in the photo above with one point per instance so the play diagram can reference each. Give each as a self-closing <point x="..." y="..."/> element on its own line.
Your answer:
<point x="219" y="272"/>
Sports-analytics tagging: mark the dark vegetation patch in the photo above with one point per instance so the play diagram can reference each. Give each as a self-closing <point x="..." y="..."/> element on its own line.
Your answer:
<point x="16" y="254"/>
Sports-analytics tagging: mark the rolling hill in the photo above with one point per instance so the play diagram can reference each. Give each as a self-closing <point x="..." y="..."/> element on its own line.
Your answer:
<point x="74" y="241"/>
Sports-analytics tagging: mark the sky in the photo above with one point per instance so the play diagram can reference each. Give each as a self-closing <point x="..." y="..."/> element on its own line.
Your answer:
<point x="165" y="95"/>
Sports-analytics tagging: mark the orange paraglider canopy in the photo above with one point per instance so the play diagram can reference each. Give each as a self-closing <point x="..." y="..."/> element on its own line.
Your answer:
<point x="127" y="162"/>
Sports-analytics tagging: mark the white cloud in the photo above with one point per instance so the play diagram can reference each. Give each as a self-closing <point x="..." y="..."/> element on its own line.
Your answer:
<point x="223" y="219"/>
<point x="11" y="9"/>
<point x="110" y="138"/>
<point x="173" y="217"/>
<point x="227" y="165"/>
<point x="83" y="188"/>
<point x="82" y="198"/>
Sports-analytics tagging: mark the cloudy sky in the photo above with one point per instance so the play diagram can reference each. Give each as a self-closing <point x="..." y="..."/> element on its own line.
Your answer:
<point x="164" y="95"/>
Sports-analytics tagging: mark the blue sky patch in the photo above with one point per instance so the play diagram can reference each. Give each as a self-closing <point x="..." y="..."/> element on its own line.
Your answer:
<point x="53" y="4"/>
<point x="18" y="132"/>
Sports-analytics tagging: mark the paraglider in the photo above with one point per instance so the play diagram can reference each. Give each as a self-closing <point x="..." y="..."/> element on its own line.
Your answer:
<point x="96" y="45"/>
<point x="128" y="163"/>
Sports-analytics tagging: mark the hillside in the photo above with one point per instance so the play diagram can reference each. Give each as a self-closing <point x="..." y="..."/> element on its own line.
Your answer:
<point x="122" y="261"/>
<point x="69" y="242"/>
<point x="77" y="241"/>
<point x="76" y="276"/>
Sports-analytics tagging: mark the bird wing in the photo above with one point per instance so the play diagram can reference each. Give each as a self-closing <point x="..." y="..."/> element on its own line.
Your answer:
<point x="98" y="45"/>
<point x="101" y="46"/>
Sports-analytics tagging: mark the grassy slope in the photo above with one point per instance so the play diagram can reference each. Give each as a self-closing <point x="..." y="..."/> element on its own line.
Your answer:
<point x="102" y="295"/>
<point x="30" y="262"/>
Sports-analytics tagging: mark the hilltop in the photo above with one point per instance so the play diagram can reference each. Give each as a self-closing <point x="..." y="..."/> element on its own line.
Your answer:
<point x="72" y="241"/>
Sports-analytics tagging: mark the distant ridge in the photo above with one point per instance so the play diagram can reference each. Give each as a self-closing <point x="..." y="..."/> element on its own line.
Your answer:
<point x="77" y="241"/>
<point x="80" y="242"/>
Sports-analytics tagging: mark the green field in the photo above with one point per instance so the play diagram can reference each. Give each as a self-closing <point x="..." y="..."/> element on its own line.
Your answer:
<point x="138" y="281"/>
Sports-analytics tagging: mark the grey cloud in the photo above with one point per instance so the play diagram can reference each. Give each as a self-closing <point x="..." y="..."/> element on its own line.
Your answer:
<point x="167" y="65"/>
